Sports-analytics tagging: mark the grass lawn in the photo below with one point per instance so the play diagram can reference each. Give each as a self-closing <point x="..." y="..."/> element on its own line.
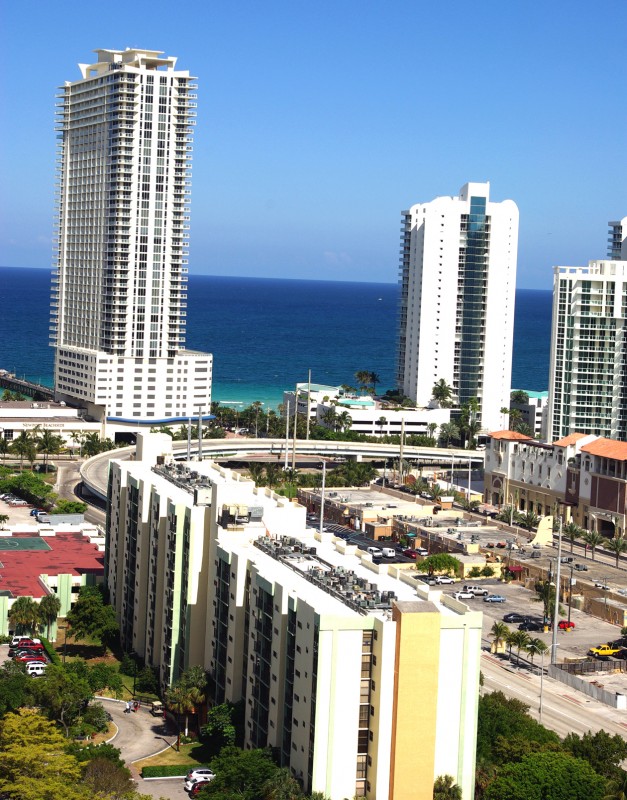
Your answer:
<point x="195" y="753"/>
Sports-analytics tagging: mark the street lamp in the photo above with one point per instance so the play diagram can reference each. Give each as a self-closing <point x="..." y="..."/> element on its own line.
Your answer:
<point x="551" y="648"/>
<point x="557" y="590"/>
<point x="570" y="593"/>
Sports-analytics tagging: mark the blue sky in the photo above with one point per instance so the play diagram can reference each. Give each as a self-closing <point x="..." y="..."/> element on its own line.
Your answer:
<point x="319" y="122"/>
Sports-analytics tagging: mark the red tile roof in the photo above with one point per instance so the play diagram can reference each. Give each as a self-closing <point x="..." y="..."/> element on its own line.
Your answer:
<point x="69" y="554"/>
<point x="608" y="448"/>
<point x="511" y="436"/>
<point x="572" y="438"/>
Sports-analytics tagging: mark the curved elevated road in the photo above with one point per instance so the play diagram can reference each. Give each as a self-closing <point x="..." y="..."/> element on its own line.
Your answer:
<point x="94" y="471"/>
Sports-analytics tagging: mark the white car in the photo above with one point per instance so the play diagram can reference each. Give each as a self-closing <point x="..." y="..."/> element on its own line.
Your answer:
<point x="463" y="595"/>
<point x="202" y="772"/>
<point x="35" y="669"/>
<point x="440" y="579"/>
<point x="17" y="639"/>
<point x="205" y="778"/>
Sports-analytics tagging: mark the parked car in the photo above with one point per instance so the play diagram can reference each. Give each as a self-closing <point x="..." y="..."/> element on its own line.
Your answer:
<point x="531" y="625"/>
<point x="502" y="545"/>
<point x="494" y="598"/>
<point x="194" y="785"/>
<point x="436" y="580"/>
<point x="476" y="591"/>
<point x="26" y="639"/>
<point x="565" y="624"/>
<point x="375" y="552"/>
<point x="409" y="553"/>
<point x="201" y="772"/>
<point x="514" y="616"/>
<point x="27" y="658"/>
<point x="603" y="651"/>
<point x="463" y="595"/>
<point x="601" y="585"/>
<point x="35" y="670"/>
<point x="581" y="567"/>
<point x="422" y="551"/>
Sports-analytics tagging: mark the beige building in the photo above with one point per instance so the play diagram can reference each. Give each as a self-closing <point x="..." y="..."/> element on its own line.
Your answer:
<point x="346" y="669"/>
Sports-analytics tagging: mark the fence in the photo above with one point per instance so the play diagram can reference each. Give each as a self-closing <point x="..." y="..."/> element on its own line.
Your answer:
<point x="567" y="673"/>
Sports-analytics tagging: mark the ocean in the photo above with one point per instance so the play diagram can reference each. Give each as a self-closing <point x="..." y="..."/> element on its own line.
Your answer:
<point x="265" y="334"/>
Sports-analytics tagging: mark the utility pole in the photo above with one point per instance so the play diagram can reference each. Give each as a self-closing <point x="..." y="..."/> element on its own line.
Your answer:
<point x="402" y="450"/>
<point x="200" y="408"/>
<point x="295" y="427"/>
<point x="189" y="439"/>
<point x="557" y="592"/>
<point x="308" y="403"/>
<point x="287" y="436"/>
<point x="324" y="476"/>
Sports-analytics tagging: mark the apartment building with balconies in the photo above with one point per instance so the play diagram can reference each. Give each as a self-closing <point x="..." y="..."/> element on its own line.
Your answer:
<point x="343" y="666"/>
<point x="456" y="309"/>
<point x="122" y="227"/>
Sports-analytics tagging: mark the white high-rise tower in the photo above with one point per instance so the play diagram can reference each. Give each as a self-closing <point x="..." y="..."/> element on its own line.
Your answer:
<point x="118" y="307"/>
<point x="458" y="280"/>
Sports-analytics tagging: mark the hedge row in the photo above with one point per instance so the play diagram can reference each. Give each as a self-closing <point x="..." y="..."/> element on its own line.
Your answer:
<point x="169" y="771"/>
<point x="50" y="651"/>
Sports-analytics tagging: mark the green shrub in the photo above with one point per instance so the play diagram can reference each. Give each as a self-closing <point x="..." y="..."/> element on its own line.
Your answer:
<point x="168" y="771"/>
<point x="51" y="652"/>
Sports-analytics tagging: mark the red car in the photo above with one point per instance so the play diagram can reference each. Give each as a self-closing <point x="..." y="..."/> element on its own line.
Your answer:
<point x="410" y="553"/>
<point x="41" y="659"/>
<point x="564" y="624"/>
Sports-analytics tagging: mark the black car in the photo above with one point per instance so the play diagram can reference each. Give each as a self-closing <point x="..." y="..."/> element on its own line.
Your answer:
<point x="515" y="617"/>
<point x="531" y="625"/>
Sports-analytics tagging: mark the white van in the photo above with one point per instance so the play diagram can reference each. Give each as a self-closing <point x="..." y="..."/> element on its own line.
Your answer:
<point x="35" y="670"/>
<point x="389" y="552"/>
<point x="375" y="552"/>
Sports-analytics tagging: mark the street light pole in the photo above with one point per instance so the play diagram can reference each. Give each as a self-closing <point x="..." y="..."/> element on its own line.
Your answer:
<point x="570" y="593"/>
<point x="557" y="591"/>
<point x="552" y="649"/>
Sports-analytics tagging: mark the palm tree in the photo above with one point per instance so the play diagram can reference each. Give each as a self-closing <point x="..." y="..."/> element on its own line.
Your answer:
<point x="256" y="472"/>
<point x="23" y="446"/>
<point x="78" y="437"/>
<point x="593" y="540"/>
<point x="291" y="476"/>
<point x="381" y="422"/>
<point x="572" y="531"/>
<point x="435" y="492"/>
<point x="329" y="417"/>
<point x="536" y="647"/>
<point x="49" y="607"/>
<point x="510" y="641"/>
<point x="374" y="379"/>
<point x="499" y="633"/>
<point x="273" y="472"/>
<point x="3" y="518"/>
<point x="617" y="788"/>
<point x="344" y="420"/>
<point x="432" y="427"/>
<point x="520" y="640"/>
<point x="528" y="519"/>
<point x="445" y="788"/>
<point x="257" y="408"/>
<point x="24" y="615"/>
<point x="91" y="444"/>
<point x="178" y="699"/>
<point x="448" y="431"/>
<point x="363" y="378"/>
<point x="4" y="447"/>
<point x="617" y="545"/>
<point x="442" y="393"/>
<point x="49" y="444"/>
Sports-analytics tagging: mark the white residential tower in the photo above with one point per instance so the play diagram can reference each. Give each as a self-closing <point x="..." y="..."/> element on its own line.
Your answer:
<point x="118" y="307"/>
<point x="458" y="279"/>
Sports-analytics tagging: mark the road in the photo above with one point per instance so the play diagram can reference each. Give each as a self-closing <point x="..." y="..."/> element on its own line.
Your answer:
<point x="564" y="709"/>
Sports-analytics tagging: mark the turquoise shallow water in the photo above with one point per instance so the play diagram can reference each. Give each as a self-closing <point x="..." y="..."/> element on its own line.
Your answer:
<point x="266" y="334"/>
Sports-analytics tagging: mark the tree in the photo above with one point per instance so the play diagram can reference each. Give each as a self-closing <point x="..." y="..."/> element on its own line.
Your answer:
<point x="382" y="422"/>
<point x="601" y="750"/>
<point x="448" y="431"/>
<point x="442" y="393"/>
<point x="194" y="681"/>
<point x="273" y="473"/>
<point x="91" y="444"/>
<point x="282" y="786"/>
<point x="617" y="545"/>
<point x="63" y="694"/>
<point x="49" y="444"/>
<point x="571" y="531"/>
<point x="445" y="788"/>
<point x="344" y="420"/>
<point x="431" y="428"/>
<point x="257" y="406"/>
<point x="24" y="615"/>
<point x="528" y="519"/>
<point x="256" y="472"/>
<point x="219" y="726"/>
<point x="363" y="378"/>
<point x="435" y="492"/>
<point x="241" y="773"/>
<point x="69" y="507"/>
<point x="536" y="647"/>
<point x="546" y="595"/>
<point x="4" y="518"/>
<point x="520" y="640"/>
<point x="178" y="699"/>
<point x="593" y="540"/>
<point x="617" y="788"/>
<point x="78" y="437"/>
<point x="91" y="618"/>
<point x="104" y="779"/>
<point x="15" y="687"/>
<point x="25" y="447"/>
<point x="374" y="379"/>
<point x="49" y="607"/>
<point x="439" y="562"/>
<point x="519" y="396"/>
<point x="4" y="447"/>
<point x="33" y="761"/>
<point x="543" y="775"/>
<point x="499" y="633"/>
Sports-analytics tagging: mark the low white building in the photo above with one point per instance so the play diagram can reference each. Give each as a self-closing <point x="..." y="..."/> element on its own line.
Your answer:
<point x="17" y="417"/>
<point x="373" y="418"/>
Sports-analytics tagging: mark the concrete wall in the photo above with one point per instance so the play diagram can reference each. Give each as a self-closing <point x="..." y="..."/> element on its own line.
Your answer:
<point x="613" y="699"/>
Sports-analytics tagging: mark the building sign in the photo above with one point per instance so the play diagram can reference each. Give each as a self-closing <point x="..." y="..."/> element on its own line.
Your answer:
<point x="48" y="425"/>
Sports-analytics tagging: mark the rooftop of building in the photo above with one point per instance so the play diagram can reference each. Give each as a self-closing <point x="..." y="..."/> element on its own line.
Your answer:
<point x="572" y="438"/>
<point x="532" y="394"/>
<point x="510" y="436"/>
<point x="607" y="448"/>
<point x="26" y="555"/>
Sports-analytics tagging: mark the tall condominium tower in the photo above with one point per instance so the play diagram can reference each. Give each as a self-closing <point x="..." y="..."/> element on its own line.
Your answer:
<point x="458" y="277"/>
<point x="118" y="307"/>
<point x="587" y="381"/>
<point x="617" y="241"/>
